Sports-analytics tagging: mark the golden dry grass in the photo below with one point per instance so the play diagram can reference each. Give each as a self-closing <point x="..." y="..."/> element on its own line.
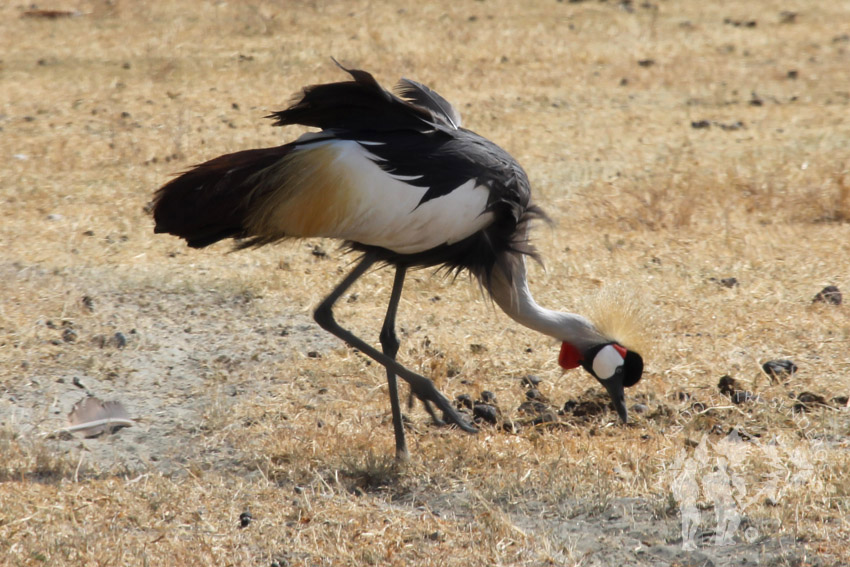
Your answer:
<point x="98" y="110"/>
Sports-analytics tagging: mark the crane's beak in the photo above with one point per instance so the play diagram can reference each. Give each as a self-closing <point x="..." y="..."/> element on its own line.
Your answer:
<point x="615" y="388"/>
<point x="615" y="368"/>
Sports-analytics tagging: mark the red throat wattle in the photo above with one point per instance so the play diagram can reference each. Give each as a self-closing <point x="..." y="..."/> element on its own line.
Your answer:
<point x="570" y="357"/>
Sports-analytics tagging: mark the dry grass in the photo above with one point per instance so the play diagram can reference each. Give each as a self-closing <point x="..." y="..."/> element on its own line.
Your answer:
<point x="98" y="110"/>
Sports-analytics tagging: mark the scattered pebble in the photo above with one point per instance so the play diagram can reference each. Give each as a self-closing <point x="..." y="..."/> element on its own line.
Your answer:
<point x="841" y="401"/>
<point x="534" y="394"/>
<point x="531" y="381"/>
<point x="51" y="14"/>
<point x="730" y="387"/>
<point x="463" y="401"/>
<point x="532" y="407"/>
<point x="245" y="519"/>
<point x="740" y="23"/>
<point x="639" y="408"/>
<point x="811" y="398"/>
<point x="731" y="126"/>
<point x="726" y="126"/>
<point x="787" y="17"/>
<point x="829" y="294"/>
<point x="779" y="370"/>
<point x="486" y="412"/>
<point x="119" y="340"/>
<point x="681" y="396"/>
<point x="69" y="335"/>
<point x="488" y="397"/>
<point x="806" y="401"/>
<point x="586" y="408"/>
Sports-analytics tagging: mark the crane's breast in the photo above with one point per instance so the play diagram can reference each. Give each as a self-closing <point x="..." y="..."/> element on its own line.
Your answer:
<point x="336" y="188"/>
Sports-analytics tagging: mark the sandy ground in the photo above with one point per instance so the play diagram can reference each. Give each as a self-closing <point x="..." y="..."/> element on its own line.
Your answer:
<point x="676" y="144"/>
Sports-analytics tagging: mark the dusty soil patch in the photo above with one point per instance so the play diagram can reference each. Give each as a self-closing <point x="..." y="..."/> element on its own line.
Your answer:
<point x="692" y="153"/>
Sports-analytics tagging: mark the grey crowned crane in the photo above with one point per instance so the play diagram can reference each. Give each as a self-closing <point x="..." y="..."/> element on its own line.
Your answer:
<point x="396" y="177"/>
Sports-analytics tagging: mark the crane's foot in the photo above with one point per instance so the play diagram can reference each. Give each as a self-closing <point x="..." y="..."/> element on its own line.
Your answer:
<point x="429" y="408"/>
<point x="428" y="395"/>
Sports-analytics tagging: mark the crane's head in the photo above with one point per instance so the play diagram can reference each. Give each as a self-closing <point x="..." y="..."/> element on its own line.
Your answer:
<point x="616" y="368"/>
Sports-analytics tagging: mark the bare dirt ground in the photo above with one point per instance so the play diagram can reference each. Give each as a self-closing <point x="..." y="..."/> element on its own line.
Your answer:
<point x="695" y="158"/>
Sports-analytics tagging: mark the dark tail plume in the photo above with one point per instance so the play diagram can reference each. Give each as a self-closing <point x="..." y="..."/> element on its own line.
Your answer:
<point x="209" y="202"/>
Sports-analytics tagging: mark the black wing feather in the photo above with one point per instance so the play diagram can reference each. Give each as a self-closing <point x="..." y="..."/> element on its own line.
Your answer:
<point x="419" y="94"/>
<point x="358" y="105"/>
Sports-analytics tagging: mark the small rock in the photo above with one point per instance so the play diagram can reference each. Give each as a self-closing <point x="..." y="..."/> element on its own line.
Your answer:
<point x="531" y="381"/>
<point x="69" y="335"/>
<point x="463" y="401"/>
<point x="119" y="340"/>
<point x="806" y="401"/>
<point x="586" y="408"/>
<point x="731" y="126"/>
<point x="681" y="396"/>
<point x="841" y="401"/>
<point x="488" y="397"/>
<point x="729" y="282"/>
<point x="811" y="398"/>
<point x="700" y="124"/>
<point x="640" y="408"/>
<point x="486" y="412"/>
<point x="779" y="370"/>
<point x="717" y="429"/>
<point x="730" y="387"/>
<point x="829" y="294"/>
<point x="534" y="394"/>
<point x="787" y="17"/>
<point x="532" y="407"/>
<point x="547" y="416"/>
<point x="245" y="519"/>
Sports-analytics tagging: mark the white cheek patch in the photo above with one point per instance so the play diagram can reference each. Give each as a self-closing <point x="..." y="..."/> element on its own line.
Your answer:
<point x="606" y="362"/>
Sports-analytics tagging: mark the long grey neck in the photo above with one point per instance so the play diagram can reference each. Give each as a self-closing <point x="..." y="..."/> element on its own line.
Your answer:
<point x="509" y="289"/>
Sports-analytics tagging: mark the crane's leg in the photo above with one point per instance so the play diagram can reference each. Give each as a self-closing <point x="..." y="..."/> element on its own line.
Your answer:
<point x="422" y="387"/>
<point x="390" y="344"/>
